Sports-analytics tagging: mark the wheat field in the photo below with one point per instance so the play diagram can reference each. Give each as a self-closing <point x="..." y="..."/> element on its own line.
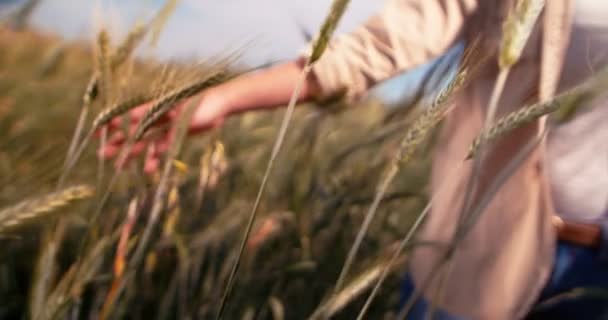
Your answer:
<point x="315" y="200"/>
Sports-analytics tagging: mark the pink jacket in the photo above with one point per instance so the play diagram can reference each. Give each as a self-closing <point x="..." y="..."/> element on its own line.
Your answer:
<point x="502" y="265"/>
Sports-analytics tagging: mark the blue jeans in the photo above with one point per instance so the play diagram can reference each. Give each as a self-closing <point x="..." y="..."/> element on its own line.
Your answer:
<point x="574" y="267"/>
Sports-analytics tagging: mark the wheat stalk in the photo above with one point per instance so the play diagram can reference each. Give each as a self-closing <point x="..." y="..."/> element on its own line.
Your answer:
<point x="465" y="226"/>
<point x="414" y="136"/>
<point x="90" y="94"/>
<point x="336" y="11"/>
<point x="525" y="116"/>
<point x="161" y="19"/>
<point x="118" y="109"/>
<point x="320" y="44"/>
<point x="171" y="99"/>
<point x="71" y="286"/>
<point x="125" y="49"/>
<point x="98" y="85"/>
<point x="515" y="34"/>
<point x="104" y="66"/>
<point x="32" y="209"/>
<point x="559" y="106"/>
<point x="116" y="59"/>
<point x="517" y="29"/>
<point x="163" y="186"/>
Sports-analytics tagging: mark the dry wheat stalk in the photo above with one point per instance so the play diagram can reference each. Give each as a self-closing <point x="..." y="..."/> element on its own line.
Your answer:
<point x="169" y="100"/>
<point x="35" y="208"/>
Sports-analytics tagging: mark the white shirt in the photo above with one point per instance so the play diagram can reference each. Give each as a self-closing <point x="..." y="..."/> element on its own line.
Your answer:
<point x="577" y="155"/>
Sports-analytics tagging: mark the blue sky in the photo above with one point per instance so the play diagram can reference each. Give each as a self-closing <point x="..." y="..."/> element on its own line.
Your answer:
<point x="271" y="29"/>
<point x="205" y="27"/>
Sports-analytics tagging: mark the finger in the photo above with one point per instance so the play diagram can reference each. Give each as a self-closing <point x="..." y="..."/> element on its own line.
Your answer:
<point x="108" y="151"/>
<point x="177" y="109"/>
<point x="117" y="138"/>
<point x="161" y="147"/>
<point x="122" y="160"/>
<point x="133" y="117"/>
<point x="137" y="113"/>
<point x="152" y="160"/>
<point x="151" y="165"/>
<point x="137" y="149"/>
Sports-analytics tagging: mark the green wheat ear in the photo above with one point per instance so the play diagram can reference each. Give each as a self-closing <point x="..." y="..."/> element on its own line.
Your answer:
<point x="329" y="26"/>
<point x="526" y="115"/>
<point x="517" y="29"/>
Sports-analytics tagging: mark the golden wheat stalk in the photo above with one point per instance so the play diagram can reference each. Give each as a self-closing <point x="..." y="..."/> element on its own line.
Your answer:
<point x="33" y="209"/>
<point x="171" y="99"/>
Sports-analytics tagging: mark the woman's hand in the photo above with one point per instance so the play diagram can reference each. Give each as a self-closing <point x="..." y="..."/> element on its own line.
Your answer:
<point x="210" y="113"/>
<point x="264" y="90"/>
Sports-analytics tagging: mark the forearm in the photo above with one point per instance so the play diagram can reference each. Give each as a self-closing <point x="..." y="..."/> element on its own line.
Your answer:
<point x="405" y="34"/>
<point x="265" y="89"/>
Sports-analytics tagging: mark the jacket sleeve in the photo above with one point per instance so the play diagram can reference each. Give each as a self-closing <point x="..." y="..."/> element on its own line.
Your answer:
<point x="406" y="33"/>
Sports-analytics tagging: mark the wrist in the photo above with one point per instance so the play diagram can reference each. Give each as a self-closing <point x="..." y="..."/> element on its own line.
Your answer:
<point x="215" y="98"/>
